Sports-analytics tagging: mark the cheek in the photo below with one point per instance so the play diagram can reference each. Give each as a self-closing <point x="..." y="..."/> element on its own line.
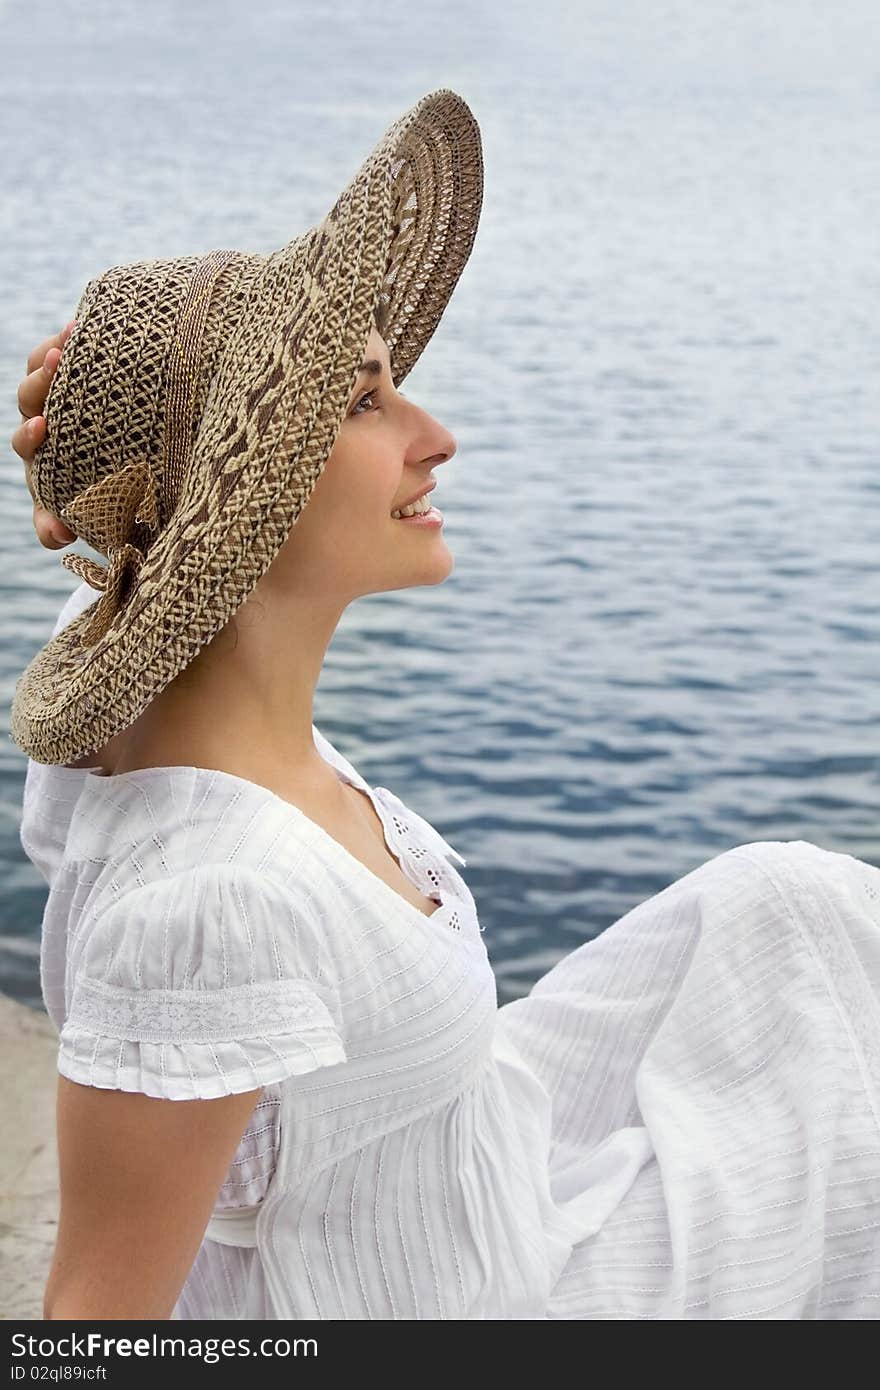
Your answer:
<point x="362" y="478"/>
<point x="371" y="486"/>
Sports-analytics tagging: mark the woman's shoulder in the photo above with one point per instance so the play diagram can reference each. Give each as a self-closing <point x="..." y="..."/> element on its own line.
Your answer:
<point x="158" y="904"/>
<point x="198" y="981"/>
<point x="154" y="823"/>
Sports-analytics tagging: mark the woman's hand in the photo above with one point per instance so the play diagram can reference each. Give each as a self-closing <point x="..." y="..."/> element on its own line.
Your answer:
<point x="31" y="433"/>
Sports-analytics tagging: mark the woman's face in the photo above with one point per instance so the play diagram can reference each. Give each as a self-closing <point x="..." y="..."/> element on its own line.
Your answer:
<point x="345" y="542"/>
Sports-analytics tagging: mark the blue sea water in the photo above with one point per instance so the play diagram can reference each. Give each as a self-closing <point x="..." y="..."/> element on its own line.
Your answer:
<point x="660" y="638"/>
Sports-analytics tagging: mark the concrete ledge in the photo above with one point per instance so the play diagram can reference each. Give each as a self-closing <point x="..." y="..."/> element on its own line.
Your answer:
<point x="28" y="1157"/>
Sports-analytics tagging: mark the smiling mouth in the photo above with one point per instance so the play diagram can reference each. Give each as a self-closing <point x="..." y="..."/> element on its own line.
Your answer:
<point x="417" y="508"/>
<point x="430" y="515"/>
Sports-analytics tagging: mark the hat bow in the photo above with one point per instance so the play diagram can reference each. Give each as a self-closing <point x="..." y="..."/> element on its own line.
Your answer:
<point x="107" y="516"/>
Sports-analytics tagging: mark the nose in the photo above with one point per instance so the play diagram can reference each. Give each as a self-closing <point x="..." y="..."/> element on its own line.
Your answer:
<point x="437" y="436"/>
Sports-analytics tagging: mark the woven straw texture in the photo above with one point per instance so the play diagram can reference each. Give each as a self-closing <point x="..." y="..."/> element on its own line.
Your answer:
<point x="196" y="403"/>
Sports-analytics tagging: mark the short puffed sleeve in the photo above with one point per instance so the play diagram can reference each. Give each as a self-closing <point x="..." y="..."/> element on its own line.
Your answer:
<point x="202" y="984"/>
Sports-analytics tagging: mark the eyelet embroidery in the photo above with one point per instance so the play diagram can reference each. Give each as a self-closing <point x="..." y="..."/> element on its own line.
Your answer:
<point x="431" y="868"/>
<point x="430" y="865"/>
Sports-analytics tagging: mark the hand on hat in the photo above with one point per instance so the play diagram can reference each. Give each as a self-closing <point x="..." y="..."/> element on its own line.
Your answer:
<point x="31" y="433"/>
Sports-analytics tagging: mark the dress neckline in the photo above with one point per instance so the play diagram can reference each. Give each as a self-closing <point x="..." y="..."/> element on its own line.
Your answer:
<point x="95" y="780"/>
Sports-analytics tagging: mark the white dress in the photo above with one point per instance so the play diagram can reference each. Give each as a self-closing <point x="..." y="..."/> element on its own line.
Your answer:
<point x="681" y="1120"/>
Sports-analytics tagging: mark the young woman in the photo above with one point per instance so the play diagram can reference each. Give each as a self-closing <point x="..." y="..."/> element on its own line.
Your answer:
<point x="286" y="1089"/>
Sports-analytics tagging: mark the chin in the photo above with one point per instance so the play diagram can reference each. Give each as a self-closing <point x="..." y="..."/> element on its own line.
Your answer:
<point x="441" y="570"/>
<point x="427" y="574"/>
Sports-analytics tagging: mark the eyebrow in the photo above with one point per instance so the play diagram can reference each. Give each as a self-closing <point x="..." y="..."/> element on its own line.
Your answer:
<point x="373" y="367"/>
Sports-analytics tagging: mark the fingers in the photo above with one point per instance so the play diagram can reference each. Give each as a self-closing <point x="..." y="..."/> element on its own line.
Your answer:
<point x="31" y="433"/>
<point x="51" y="532"/>
<point x="58" y="340"/>
<point x="42" y="364"/>
<point x="27" y="440"/>
<point x="33" y="391"/>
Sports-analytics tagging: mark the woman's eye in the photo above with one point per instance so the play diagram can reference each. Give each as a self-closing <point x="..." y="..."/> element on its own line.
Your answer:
<point x="368" y="396"/>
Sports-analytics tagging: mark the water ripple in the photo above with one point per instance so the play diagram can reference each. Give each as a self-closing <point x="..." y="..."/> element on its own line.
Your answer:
<point x="663" y="639"/>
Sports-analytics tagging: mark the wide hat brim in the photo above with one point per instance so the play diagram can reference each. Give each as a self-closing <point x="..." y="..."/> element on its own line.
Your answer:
<point x="402" y="231"/>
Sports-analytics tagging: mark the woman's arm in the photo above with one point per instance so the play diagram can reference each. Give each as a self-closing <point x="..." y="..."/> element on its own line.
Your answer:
<point x="139" y="1178"/>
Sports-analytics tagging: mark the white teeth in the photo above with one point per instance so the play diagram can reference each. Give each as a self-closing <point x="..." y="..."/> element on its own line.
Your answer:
<point x="414" y="508"/>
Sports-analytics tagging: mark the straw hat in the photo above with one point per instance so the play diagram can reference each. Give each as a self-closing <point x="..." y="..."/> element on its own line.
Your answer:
<point x="196" y="402"/>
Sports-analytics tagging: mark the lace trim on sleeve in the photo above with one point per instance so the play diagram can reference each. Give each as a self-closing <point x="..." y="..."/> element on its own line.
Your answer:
<point x="268" y="1010"/>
